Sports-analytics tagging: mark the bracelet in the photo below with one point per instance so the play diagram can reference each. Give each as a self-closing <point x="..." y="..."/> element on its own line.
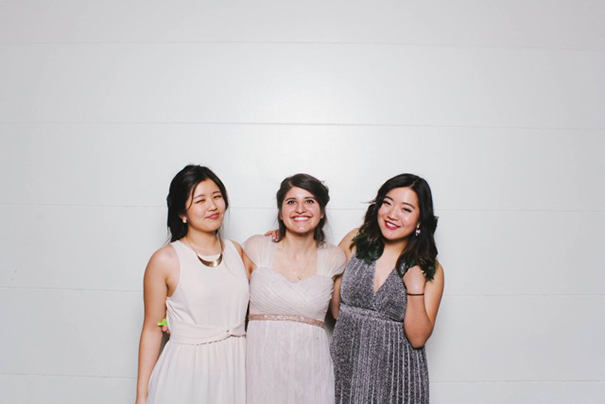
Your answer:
<point x="415" y="294"/>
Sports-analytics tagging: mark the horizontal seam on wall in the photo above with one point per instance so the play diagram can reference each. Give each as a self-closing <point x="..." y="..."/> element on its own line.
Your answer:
<point x="360" y="209"/>
<point x="379" y="125"/>
<point x="517" y="381"/>
<point x="78" y="376"/>
<point x="306" y="43"/>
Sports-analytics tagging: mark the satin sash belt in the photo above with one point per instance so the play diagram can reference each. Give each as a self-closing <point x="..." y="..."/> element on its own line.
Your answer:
<point x="285" y="317"/>
<point x="192" y="334"/>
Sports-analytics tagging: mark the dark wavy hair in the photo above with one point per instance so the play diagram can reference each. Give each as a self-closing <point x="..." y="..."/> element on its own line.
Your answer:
<point x="315" y="187"/>
<point x="181" y="188"/>
<point x="419" y="250"/>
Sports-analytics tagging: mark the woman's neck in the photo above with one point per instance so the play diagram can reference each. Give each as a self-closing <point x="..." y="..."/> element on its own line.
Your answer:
<point x="203" y="242"/>
<point x="298" y="244"/>
<point x="394" y="247"/>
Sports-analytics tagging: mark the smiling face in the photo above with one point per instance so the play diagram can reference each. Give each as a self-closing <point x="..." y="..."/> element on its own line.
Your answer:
<point x="399" y="214"/>
<point x="300" y="211"/>
<point x="205" y="207"/>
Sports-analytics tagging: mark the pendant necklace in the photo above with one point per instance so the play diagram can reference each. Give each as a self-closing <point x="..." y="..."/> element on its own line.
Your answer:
<point x="212" y="264"/>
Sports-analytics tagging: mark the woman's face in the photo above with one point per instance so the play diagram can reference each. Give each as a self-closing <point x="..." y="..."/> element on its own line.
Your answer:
<point x="205" y="207"/>
<point x="300" y="211"/>
<point x="399" y="214"/>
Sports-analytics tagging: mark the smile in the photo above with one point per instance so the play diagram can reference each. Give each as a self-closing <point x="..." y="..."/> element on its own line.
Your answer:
<point x="213" y="217"/>
<point x="390" y="226"/>
<point x="301" y="218"/>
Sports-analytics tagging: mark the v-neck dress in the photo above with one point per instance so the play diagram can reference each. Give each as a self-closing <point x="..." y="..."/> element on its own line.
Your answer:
<point x="373" y="359"/>
<point x="288" y="352"/>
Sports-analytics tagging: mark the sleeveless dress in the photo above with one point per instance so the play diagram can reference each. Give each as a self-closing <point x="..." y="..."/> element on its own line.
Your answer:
<point x="288" y="353"/>
<point x="373" y="360"/>
<point x="204" y="360"/>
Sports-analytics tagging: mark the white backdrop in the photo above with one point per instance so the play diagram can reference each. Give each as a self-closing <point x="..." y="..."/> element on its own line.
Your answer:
<point x="499" y="105"/>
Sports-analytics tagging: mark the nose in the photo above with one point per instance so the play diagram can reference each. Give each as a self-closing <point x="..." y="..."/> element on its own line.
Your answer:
<point x="211" y="204"/>
<point x="300" y="208"/>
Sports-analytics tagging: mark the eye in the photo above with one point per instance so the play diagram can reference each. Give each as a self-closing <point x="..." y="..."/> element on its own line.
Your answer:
<point x="218" y="196"/>
<point x="200" y="201"/>
<point x="385" y="202"/>
<point x="290" y="202"/>
<point x="310" y="201"/>
<point x="407" y="210"/>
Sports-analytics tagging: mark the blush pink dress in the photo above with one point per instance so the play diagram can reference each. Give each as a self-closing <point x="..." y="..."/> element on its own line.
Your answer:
<point x="288" y="353"/>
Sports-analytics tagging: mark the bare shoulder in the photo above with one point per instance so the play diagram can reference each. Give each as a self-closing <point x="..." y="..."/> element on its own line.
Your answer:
<point x="163" y="260"/>
<point x="438" y="270"/>
<point x="345" y="243"/>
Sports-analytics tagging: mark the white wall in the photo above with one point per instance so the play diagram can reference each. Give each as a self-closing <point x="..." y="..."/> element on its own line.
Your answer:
<point x="499" y="105"/>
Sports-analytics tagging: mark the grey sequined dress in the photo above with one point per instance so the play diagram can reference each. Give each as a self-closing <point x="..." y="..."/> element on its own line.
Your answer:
<point x="373" y="360"/>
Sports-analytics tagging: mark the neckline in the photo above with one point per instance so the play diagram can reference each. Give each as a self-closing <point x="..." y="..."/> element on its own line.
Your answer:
<point x="373" y="278"/>
<point x="280" y="275"/>
<point x="209" y="257"/>
<point x="271" y="259"/>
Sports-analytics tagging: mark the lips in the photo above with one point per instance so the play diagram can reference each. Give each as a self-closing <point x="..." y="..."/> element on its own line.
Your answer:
<point x="214" y="216"/>
<point x="390" y="225"/>
<point x="301" y="218"/>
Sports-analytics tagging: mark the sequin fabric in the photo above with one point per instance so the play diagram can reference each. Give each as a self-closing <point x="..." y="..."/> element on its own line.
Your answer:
<point x="373" y="360"/>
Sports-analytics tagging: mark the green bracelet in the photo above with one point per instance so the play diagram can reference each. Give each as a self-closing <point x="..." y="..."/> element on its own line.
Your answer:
<point x="162" y="323"/>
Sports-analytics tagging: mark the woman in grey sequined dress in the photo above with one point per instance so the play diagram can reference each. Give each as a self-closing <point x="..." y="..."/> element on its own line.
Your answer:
<point x="390" y="294"/>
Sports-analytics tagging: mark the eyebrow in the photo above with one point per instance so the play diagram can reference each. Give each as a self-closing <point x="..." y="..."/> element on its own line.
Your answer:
<point x="292" y="198"/>
<point x="201" y="195"/>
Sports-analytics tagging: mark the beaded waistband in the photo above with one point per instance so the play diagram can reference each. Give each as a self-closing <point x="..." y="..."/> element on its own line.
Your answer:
<point x="285" y="317"/>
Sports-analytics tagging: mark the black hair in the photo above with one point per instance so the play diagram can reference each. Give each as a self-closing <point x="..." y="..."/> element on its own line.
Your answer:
<point x="182" y="187"/>
<point x="419" y="250"/>
<point x="320" y="193"/>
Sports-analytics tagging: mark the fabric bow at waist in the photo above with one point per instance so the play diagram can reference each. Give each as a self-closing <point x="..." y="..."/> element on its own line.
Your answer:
<point x="193" y="334"/>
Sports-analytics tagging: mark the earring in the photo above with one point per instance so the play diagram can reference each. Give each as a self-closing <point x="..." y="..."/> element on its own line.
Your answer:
<point x="417" y="230"/>
<point x="184" y="220"/>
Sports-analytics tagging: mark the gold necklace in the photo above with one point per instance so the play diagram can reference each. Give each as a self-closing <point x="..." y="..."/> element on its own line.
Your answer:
<point x="299" y="276"/>
<point x="212" y="264"/>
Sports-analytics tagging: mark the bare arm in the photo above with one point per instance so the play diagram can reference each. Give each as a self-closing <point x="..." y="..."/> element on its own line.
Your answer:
<point x="156" y="284"/>
<point x="421" y="311"/>
<point x="345" y="245"/>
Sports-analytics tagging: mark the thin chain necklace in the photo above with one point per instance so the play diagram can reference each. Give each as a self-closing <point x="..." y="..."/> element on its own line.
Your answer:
<point x="212" y="264"/>
<point x="300" y="275"/>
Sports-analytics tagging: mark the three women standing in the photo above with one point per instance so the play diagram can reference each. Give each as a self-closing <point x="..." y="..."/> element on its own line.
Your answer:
<point x="391" y="292"/>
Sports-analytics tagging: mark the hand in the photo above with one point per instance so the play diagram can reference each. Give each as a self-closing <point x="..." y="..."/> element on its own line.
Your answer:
<point x="164" y="326"/>
<point x="274" y="235"/>
<point x="414" y="280"/>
